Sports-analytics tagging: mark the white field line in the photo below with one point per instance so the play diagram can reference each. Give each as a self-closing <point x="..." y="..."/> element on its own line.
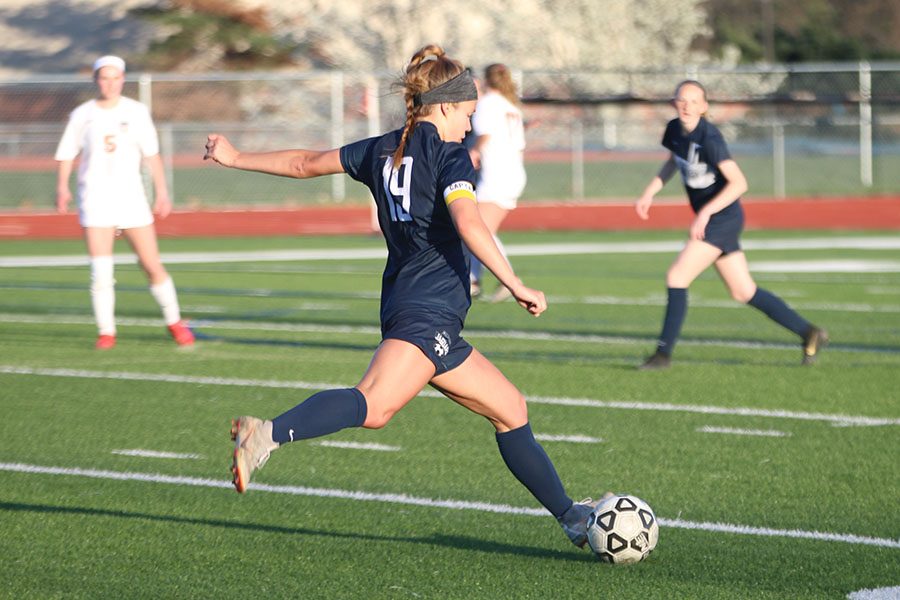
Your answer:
<point x="431" y="502"/>
<point x="735" y="431"/>
<point x="559" y="401"/>
<point x="156" y="454"/>
<point x="369" y="330"/>
<point x="358" y="446"/>
<point x="856" y="243"/>
<point x="572" y="439"/>
<point x="885" y="593"/>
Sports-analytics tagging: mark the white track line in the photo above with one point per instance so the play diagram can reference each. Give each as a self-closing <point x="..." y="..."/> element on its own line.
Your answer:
<point x="156" y="454"/>
<point x="560" y="401"/>
<point x="885" y="593"/>
<point x="358" y="446"/>
<point x="734" y="431"/>
<point x="549" y="249"/>
<point x="432" y="503"/>
<point x="572" y="439"/>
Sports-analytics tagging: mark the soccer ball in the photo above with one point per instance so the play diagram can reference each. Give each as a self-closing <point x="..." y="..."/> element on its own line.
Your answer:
<point x="622" y="530"/>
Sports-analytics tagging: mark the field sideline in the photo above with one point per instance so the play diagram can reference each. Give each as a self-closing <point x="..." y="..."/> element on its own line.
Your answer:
<point x="771" y="481"/>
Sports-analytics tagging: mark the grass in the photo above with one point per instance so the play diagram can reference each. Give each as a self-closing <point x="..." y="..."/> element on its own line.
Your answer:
<point x="112" y="525"/>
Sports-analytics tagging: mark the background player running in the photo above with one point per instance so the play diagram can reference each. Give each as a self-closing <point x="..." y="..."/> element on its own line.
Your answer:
<point x="714" y="184"/>
<point x="498" y="153"/>
<point x="423" y="183"/>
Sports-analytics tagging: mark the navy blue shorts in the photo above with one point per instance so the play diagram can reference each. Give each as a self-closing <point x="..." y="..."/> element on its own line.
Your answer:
<point x="439" y="340"/>
<point x="724" y="230"/>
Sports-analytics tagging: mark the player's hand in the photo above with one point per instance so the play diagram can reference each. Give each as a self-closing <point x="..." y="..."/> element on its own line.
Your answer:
<point x="531" y="300"/>
<point x="63" y="197"/>
<point x="698" y="227"/>
<point x="163" y="206"/>
<point x="642" y="207"/>
<point x="219" y="149"/>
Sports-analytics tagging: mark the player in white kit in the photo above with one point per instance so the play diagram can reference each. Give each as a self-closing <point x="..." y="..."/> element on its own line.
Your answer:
<point x="114" y="134"/>
<point x="498" y="153"/>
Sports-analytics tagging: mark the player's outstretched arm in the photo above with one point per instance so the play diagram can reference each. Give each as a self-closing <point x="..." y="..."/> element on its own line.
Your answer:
<point x="300" y="164"/>
<point x="479" y="240"/>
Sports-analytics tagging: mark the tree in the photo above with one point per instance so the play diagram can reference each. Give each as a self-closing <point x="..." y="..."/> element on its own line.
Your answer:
<point x="527" y="34"/>
<point x="805" y="30"/>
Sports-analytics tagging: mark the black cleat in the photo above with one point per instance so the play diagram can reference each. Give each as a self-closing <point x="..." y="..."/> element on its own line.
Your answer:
<point x="656" y="362"/>
<point x="814" y="340"/>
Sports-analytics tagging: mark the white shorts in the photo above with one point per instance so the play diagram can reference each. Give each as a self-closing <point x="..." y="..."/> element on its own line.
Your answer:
<point x="121" y="212"/>
<point x="502" y="189"/>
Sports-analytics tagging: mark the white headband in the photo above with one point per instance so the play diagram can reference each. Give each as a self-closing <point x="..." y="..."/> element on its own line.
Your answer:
<point x="109" y="61"/>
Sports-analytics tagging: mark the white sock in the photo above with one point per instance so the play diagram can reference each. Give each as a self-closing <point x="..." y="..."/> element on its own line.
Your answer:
<point x="103" y="294"/>
<point x="165" y="296"/>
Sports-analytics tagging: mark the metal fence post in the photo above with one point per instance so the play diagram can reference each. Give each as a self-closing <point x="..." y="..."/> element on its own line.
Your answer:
<point x="338" y="185"/>
<point x="577" y="160"/>
<point x="778" y="172"/>
<point x="865" y="124"/>
<point x="167" y="150"/>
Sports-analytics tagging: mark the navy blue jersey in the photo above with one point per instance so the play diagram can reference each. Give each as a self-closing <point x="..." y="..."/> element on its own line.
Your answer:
<point x="698" y="155"/>
<point x="427" y="270"/>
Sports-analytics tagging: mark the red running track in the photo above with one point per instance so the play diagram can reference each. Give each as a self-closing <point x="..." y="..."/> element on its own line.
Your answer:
<point x="877" y="213"/>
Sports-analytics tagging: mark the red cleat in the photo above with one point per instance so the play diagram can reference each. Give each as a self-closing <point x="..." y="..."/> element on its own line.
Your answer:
<point x="105" y="342"/>
<point x="181" y="333"/>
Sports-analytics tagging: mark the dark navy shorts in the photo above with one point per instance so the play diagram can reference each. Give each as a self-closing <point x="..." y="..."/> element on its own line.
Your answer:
<point x="439" y="340"/>
<point x="724" y="230"/>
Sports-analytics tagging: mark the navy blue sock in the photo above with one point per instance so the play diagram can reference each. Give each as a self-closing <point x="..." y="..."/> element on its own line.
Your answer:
<point x="777" y="310"/>
<point x="321" y="414"/>
<point x="532" y="467"/>
<point x="676" y="309"/>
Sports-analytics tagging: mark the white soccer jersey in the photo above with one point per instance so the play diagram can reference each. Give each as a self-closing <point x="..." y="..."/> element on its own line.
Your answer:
<point x="502" y="176"/>
<point x="112" y="143"/>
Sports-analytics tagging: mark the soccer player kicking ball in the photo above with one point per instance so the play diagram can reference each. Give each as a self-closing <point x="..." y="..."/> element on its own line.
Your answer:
<point x="423" y="183"/>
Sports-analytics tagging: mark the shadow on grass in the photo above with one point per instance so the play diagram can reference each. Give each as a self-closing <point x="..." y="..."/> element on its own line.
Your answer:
<point x="447" y="541"/>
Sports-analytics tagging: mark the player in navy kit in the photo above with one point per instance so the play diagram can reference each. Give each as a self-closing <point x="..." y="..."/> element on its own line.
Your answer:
<point x="423" y="182"/>
<point x="714" y="184"/>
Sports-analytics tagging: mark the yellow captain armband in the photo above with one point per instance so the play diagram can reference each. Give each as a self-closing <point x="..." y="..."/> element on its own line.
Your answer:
<point x="457" y="190"/>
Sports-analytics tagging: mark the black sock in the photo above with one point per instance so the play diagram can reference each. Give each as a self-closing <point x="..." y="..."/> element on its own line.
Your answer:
<point x="777" y="310"/>
<point x="321" y="414"/>
<point x="676" y="309"/>
<point x="533" y="468"/>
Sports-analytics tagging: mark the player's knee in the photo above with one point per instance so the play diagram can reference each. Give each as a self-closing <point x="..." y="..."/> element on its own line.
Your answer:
<point x="675" y="279"/>
<point x="377" y="419"/>
<point x="515" y="415"/>
<point x="743" y="294"/>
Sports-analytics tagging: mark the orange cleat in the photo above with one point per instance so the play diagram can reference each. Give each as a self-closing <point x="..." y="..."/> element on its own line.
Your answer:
<point x="181" y="333"/>
<point x="105" y="342"/>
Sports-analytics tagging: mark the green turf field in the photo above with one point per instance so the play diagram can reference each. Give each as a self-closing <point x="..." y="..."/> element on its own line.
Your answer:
<point x="770" y="480"/>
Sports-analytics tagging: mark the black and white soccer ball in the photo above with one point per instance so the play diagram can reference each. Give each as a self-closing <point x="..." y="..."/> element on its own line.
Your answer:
<point x="622" y="530"/>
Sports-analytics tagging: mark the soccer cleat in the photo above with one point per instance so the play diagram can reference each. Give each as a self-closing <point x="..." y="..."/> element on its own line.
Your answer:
<point x="474" y="289"/>
<point x="814" y="340"/>
<point x="574" y="521"/>
<point x="181" y="333"/>
<point x="251" y="450"/>
<point x="658" y="361"/>
<point x="105" y="342"/>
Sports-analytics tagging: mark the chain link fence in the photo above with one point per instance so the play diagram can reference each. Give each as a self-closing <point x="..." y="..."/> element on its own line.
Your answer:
<point x="799" y="130"/>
